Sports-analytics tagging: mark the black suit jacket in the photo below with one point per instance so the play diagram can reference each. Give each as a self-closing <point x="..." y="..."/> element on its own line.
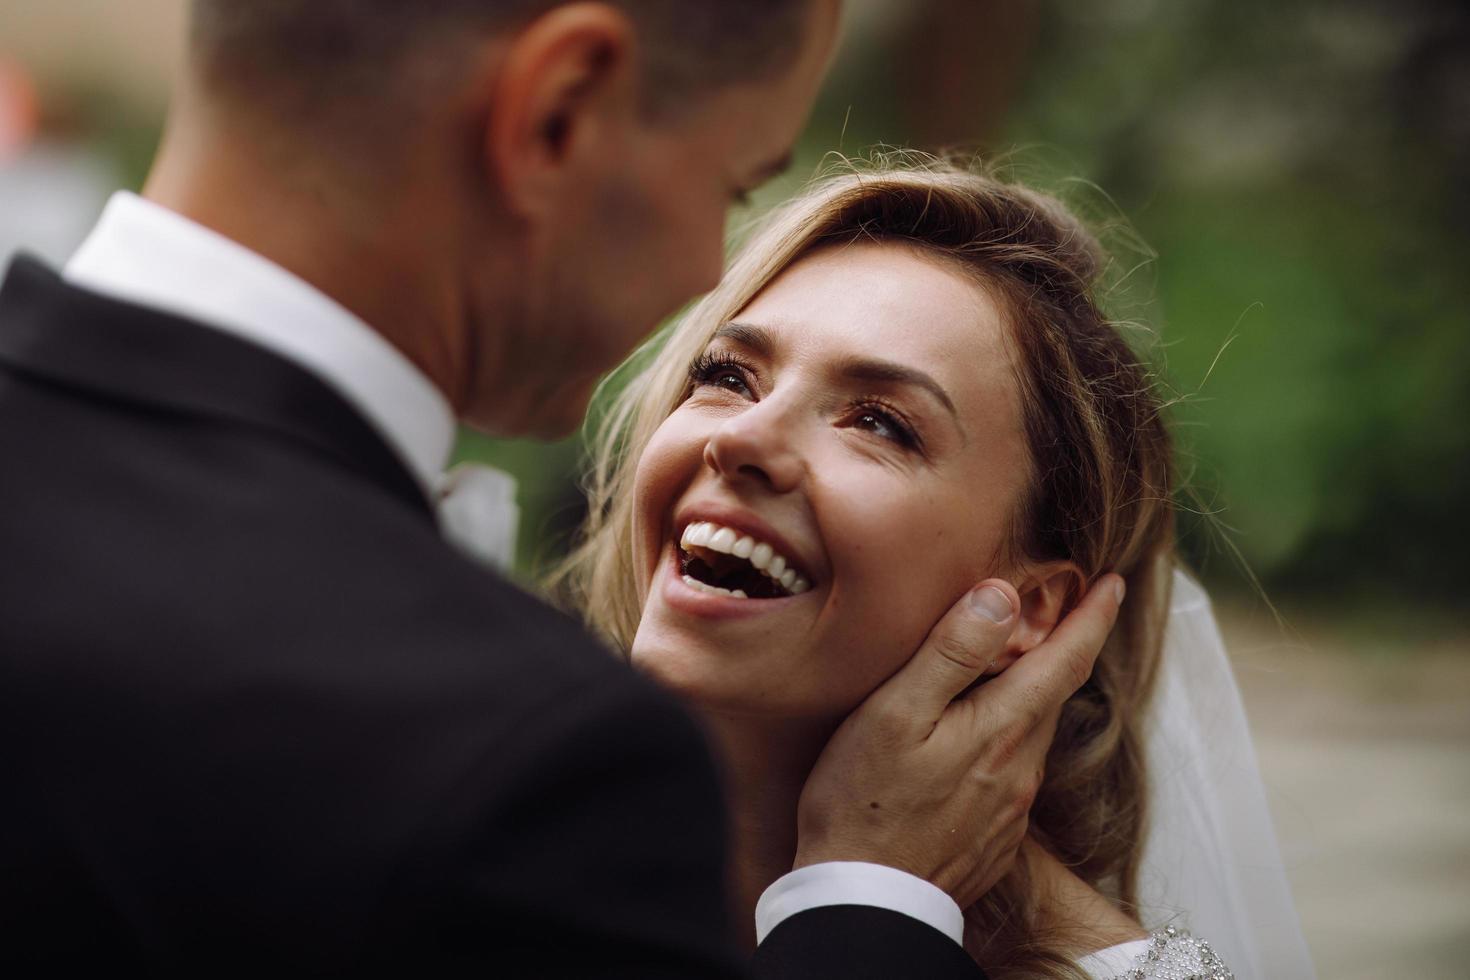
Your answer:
<point x="256" y="717"/>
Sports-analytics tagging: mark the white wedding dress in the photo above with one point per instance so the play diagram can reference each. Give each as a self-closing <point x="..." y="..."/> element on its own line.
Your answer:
<point x="1211" y="865"/>
<point x="1169" y="954"/>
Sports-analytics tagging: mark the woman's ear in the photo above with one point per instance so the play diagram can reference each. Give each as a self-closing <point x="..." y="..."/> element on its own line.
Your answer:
<point x="1045" y="592"/>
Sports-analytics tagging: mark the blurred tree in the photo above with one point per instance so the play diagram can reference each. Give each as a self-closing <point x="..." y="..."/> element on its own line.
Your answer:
<point x="1299" y="170"/>
<point x="958" y="65"/>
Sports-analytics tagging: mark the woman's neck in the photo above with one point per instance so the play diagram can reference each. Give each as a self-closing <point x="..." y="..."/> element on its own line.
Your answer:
<point x="766" y="764"/>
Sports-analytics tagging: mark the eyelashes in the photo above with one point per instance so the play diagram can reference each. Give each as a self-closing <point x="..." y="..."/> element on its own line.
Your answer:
<point x="869" y="414"/>
<point x="708" y="369"/>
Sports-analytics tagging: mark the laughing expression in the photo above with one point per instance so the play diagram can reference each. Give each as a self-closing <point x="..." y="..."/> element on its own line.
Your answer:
<point x="845" y="466"/>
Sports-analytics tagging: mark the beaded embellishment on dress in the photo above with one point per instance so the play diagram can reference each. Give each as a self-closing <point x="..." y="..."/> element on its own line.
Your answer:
<point x="1174" y="954"/>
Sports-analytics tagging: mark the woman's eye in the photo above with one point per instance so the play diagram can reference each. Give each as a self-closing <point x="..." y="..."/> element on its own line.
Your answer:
<point x="719" y="372"/>
<point x="878" y="424"/>
<point x="729" y="379"/>
<point x="885" y="425"/>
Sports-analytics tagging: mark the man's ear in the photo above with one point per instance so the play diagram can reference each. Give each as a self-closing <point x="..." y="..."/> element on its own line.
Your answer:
<point x="1045" y="591"/>
<point x="561" y="84"/>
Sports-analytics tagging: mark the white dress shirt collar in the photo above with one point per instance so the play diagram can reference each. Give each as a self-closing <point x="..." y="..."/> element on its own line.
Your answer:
<point x="143" y="253"/>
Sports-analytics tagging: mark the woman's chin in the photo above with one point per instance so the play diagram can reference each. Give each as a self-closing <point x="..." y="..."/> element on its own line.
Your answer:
<point x="690" y="665"/>
<point x="741" y="657"/>
<point x="712" y="678"/>
<point x="754" y="685"/>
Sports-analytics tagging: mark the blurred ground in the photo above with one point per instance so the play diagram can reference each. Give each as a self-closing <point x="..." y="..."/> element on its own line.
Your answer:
<point x="1364" y="740"/>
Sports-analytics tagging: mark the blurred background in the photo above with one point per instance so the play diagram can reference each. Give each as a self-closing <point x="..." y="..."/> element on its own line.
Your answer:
<point x="1298" y="173"/>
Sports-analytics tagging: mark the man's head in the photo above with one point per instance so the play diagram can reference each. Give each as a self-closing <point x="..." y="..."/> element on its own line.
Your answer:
<point x="346" y="50"/>
<point x="544" y="180"/>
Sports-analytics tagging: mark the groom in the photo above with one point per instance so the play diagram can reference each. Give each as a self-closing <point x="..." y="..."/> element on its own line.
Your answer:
<point x="258" y="718"/>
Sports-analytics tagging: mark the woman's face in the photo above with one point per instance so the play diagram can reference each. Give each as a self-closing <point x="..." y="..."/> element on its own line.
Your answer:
<point x="859" y="419"/>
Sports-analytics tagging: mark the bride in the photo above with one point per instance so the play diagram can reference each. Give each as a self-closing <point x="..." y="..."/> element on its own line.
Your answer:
<point x="904" y="386"/>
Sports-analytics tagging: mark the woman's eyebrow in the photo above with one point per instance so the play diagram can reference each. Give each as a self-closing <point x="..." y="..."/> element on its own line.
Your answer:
<point x="874" y="369"/>
<point x="759" y="339"/>
<point x="748" y="335"/>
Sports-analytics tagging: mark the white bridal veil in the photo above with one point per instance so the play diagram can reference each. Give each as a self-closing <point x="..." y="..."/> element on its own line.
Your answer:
<point x="1212" y="863"/>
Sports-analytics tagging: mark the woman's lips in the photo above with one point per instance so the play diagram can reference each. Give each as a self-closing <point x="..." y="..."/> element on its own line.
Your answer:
<point x="699" y="602"/>
<point x="752" y="559"/>
<point x="710" y="517"/>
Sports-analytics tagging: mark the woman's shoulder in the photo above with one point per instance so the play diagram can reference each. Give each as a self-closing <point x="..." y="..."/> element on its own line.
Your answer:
<point x="1170" y="954"/>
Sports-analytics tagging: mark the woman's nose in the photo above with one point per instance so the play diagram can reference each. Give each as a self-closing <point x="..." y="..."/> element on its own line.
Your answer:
<point x="756" y="445"/>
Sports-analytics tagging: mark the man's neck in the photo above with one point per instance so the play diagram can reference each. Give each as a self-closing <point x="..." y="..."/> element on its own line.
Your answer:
<point x="373" y="261"/>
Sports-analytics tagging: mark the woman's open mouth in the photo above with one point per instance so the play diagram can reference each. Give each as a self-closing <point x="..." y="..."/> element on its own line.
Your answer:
<point x="722" y="561"/>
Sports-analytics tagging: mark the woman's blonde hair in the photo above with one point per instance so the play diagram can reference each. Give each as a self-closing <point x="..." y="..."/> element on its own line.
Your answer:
<point x="1099" y="493"/>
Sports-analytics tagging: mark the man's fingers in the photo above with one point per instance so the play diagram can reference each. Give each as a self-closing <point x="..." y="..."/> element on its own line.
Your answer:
<point x="970" y="637"/>
<point x="1053" y="670"/>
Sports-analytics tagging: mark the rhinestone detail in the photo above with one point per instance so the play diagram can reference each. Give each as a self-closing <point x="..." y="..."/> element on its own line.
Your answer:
<point x="1174" y="954"/>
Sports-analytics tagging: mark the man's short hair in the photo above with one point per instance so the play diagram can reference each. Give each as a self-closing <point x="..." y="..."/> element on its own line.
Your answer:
<point x="312" y="54"/>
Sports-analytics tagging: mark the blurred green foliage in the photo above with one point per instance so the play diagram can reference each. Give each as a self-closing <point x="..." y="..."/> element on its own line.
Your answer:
<point x="1299" y="169"/>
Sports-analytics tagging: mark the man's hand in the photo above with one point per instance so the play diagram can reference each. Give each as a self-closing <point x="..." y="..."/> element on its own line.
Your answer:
<point x="940" y="785"/>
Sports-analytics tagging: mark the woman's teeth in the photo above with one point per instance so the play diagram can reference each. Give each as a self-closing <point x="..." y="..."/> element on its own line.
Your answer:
<point x="699" y="586"/>
<point x="763" y="557"/>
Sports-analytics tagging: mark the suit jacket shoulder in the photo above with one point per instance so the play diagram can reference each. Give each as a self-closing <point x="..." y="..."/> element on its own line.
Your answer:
<point x="255" y="715"/>
<point x="251" y="701"/>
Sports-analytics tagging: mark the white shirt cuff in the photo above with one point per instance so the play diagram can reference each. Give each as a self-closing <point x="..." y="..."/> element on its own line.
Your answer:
<point x="857" y="883"/>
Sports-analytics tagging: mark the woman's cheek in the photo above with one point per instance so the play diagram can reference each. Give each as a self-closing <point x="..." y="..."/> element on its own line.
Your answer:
<point x="662" y="470"/>
<point x="913" y="582"/>
<point x="884" y="622"/>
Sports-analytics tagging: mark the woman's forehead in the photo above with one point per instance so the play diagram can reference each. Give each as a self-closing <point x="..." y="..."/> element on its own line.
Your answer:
<point x="889" y="300"/>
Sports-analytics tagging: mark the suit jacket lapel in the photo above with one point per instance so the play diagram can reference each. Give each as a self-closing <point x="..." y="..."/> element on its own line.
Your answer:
<point x="77" y="338"/>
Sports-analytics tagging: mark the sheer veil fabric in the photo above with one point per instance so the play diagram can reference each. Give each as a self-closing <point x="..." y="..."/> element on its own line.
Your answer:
<point x="1211" y="862"/>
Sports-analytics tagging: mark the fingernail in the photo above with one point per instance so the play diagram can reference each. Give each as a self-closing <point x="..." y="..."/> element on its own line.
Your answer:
<point x="991" y="603"/>
<point x="1120" y="588"/>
